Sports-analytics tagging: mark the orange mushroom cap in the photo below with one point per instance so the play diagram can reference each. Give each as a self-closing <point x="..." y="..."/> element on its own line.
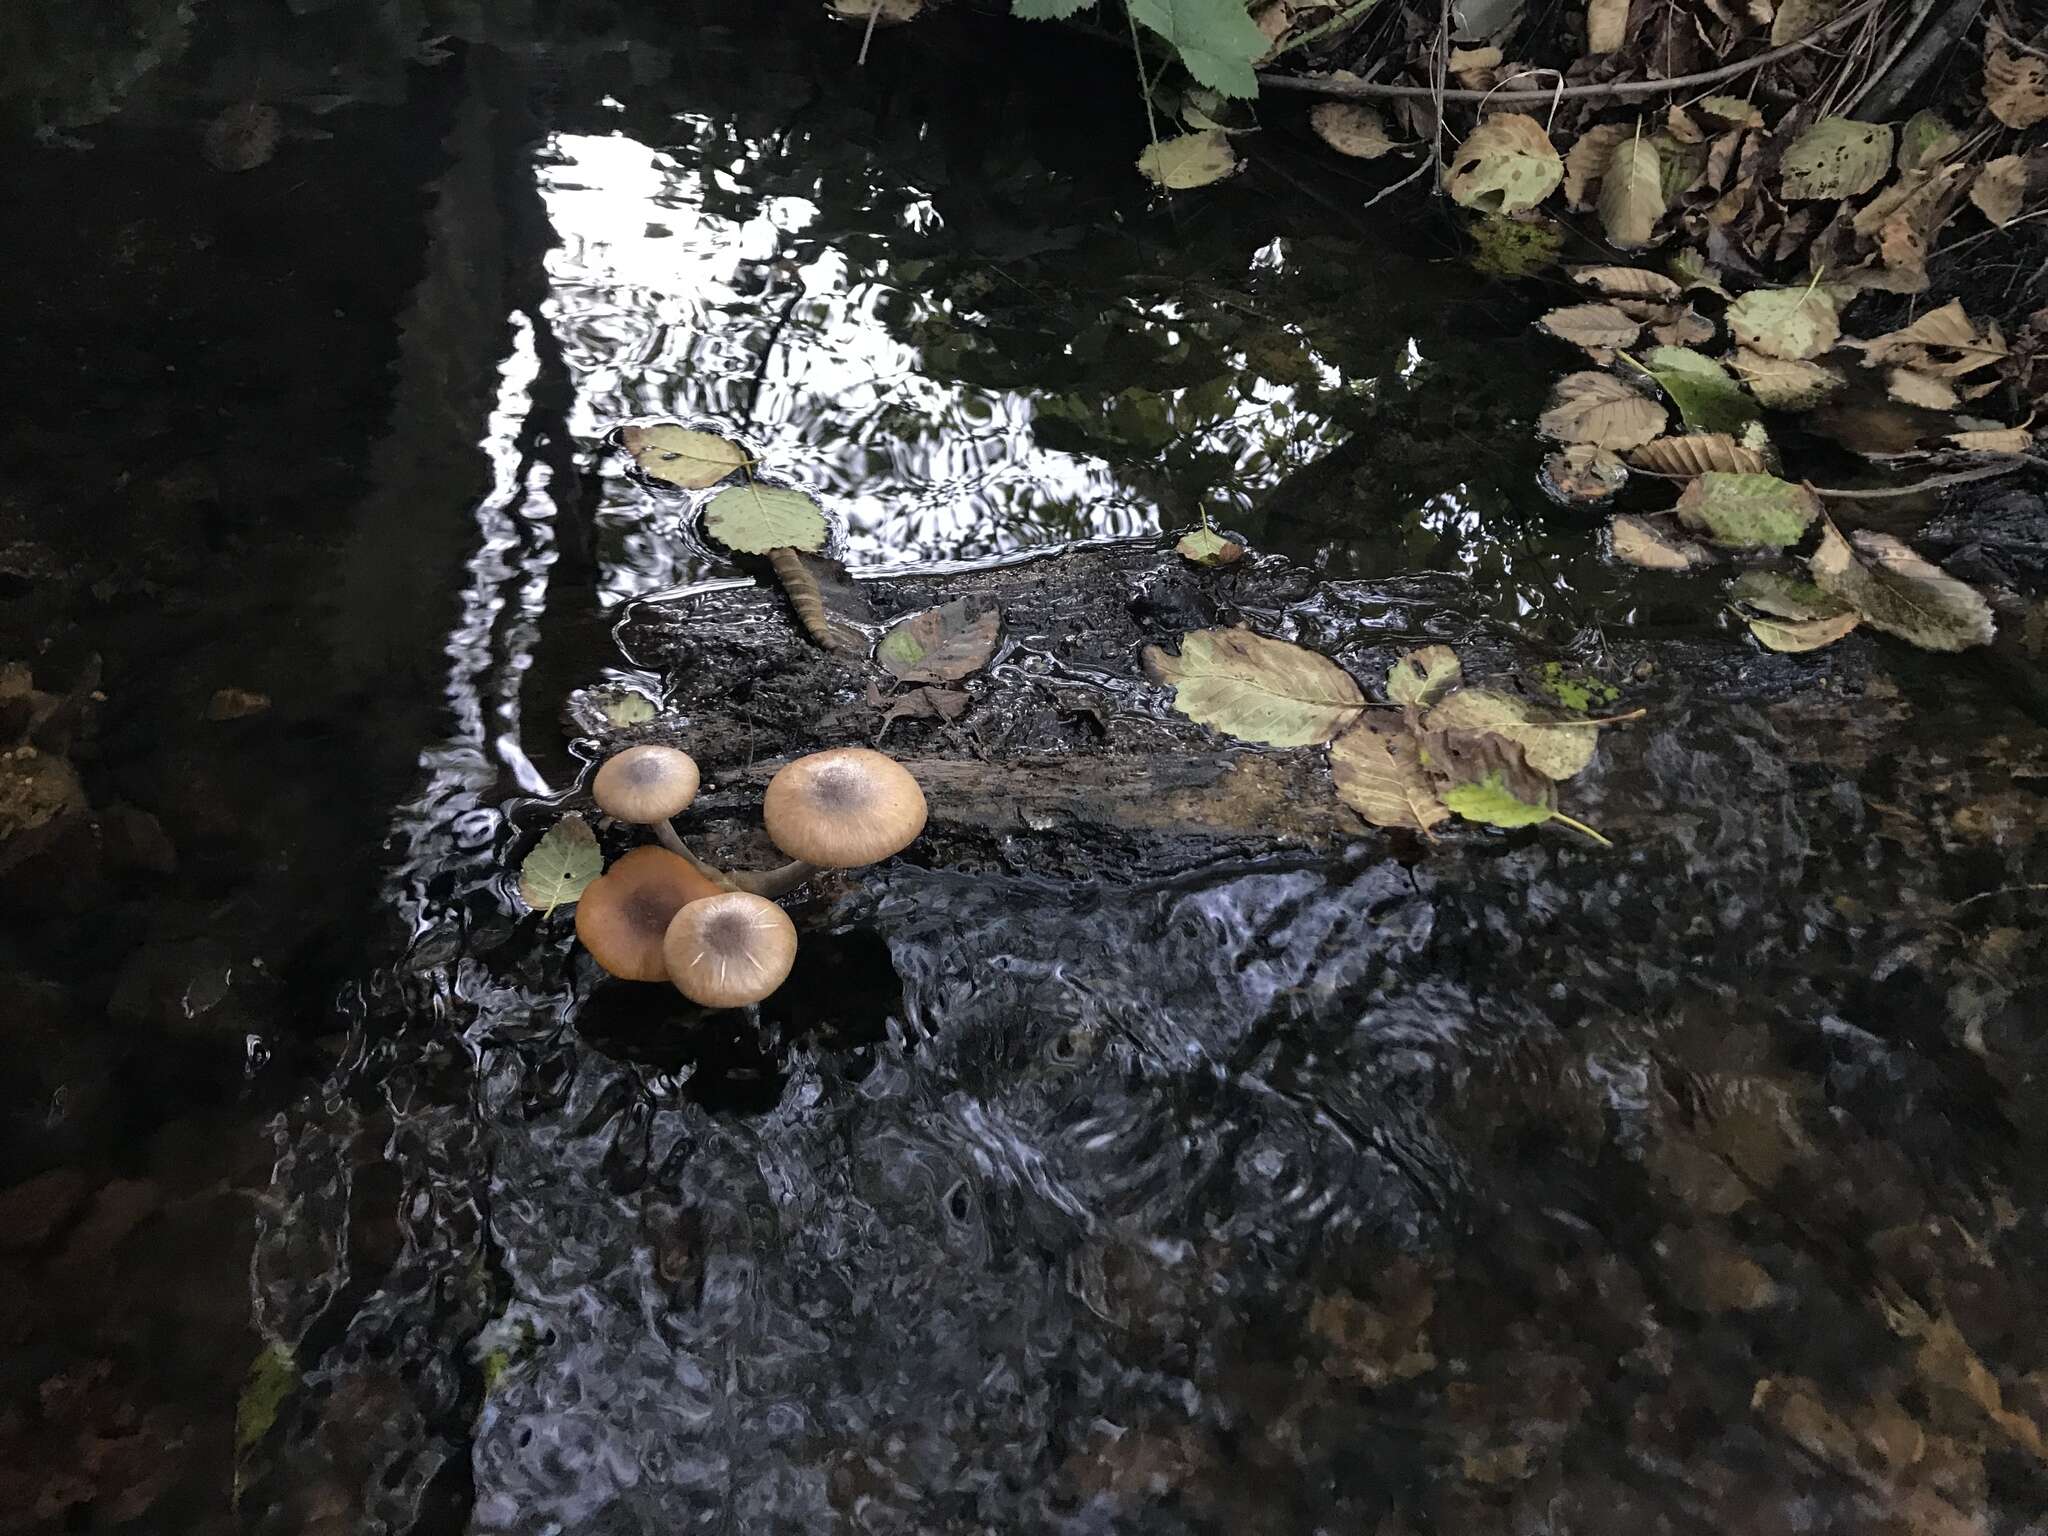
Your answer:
<point x="646" y="784"/>
<point x="730" y="950"/>
<point x="844" y="808"/>
<point x="625" y="911"/>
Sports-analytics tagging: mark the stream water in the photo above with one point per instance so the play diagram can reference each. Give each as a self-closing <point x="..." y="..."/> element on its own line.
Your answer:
<point x="1692" y="1189"/>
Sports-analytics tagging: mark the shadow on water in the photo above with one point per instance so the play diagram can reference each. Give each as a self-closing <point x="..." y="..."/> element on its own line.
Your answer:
<point x="1505" y="1189"/>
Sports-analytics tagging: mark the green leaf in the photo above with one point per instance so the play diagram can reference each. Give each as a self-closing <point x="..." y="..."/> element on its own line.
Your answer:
<point x="1188" y="160"/>
<point x="678" y="456"/>
<point x="272" y="1375"/>
<point x="754" y="518"/>
<point x="1257" y="689"/>
<point x="1799" y="634"/>
<point x="561" y="866"/>
<point x="1836" y="157"/>
<point x="1785" y="322"/>
<point x="1508" y="164"/>
<point x="1378" y="771"/>
<point x="1553" y="749"/>
<point x="942" y="644"/>
<point x="1708" y="399"/>
<point x="1926" y="140"/>
<point x="1632" y="196"/>
<point x="1216" y="39"/>
<point x="1483" y="778"/>
<point x="1748" y="511"/>
<point x="1784" y="597"/>
<point x="1048" y="10"/>
<point x="1898" y="592"/>
<point x="1205" y="546"/>
<point x="622" y="706"/>
<point x="1422" y="677"/>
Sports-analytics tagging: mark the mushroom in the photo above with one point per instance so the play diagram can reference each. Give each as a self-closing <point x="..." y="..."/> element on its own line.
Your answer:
<point x="625" y="912"/>
<point x="645" y="786"/>
<point x="730" y="949"/>
<point x="841" y="809"/>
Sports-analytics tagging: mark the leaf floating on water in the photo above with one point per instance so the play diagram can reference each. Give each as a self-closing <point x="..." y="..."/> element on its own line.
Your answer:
<point x="1836" y="157"/>
<point x="1632" y="196"/>
<point x="1943" y="341"/>
<point x="679" y="456"/>
<point x="624" y="706"/>
<point x="1483" y="778"/>
<point x="1508" y="164"/>
<point x="1599" y="328"/>
<point x="1898" y="592"/>
<point x="1351" y="129"/>
<point x="1188" y="160"/>
<point x="1795" y="323"/>
<point x="753" y="519"/>
<point x="1506" y="246"/>
<point x="1205" y="546"/>
<point x="1378" y="771"/>
<point x="1708" y="399"/>
<point x="942" y="644"/>
<point x="1421" y="677"/>
<point x="1799" y="634"/>
<point x="1554" y="750"/>
<point x="1697" y="453"/>
<point x="1785" y="384"/>
<point x="561" y="866"/>
<point x="1748" y="511"/>
<point x="1600" y="409"/>
<point x="1626" y="282"/>
<point x="1784" y="597"/>
<point x="1640" y="542"/>
<point x="1255" y="688"/>
<point x="1582" y="474"/>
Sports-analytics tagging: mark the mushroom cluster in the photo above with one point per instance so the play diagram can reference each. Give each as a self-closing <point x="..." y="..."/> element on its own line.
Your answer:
<point x="663" y="913"/>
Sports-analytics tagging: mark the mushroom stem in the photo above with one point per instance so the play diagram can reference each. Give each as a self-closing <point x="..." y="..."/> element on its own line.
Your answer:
<point x="772" y="882"/>
<point x="666" y="834"/>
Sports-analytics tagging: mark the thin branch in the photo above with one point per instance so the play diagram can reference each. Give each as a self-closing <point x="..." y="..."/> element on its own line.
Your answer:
<point x="1323" y="29"/>
<point x="1315" y="86"/>
<point x="1385" y="192"/>
<point x="1937" y="483"/>
<point x="874" y="11"/>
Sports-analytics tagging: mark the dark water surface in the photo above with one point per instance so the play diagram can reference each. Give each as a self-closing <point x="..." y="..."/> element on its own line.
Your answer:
<point x="1695" y="1188"/>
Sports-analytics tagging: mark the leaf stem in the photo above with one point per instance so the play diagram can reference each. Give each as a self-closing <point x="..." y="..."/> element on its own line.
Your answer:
<point x="1580" y="826"/>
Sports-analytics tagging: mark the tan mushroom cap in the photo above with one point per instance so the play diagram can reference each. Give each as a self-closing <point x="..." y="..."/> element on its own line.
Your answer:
<point x="646" y="784"/>
<point x="844" y="808"/>
<point x="625" y="912"/>
<point x="729" y="950"/>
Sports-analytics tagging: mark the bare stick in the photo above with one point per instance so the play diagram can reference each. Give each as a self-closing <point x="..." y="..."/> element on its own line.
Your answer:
<point x="874" y="10"/>
<point x="1323" y="29"/>
<point x="1939" y="482"/>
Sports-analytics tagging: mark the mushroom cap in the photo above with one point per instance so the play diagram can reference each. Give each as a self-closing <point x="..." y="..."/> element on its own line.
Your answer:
<point x="729" y="950"/>
<point x="646" y="784"/>
<point x="844" y="808"/>
<point x="623" y="913"/>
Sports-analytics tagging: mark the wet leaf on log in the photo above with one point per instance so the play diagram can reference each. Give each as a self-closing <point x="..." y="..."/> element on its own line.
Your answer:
<point x="1836" y="158"/>
<point x="1640" y="542"/>
<point x="1785" y="322"/>
<point x="679" y="456"/>
<point x="1423" y="676"/>
<point x="1554" y="750"/>
<point x="561" y="866"/>
<point x="1377" y="767"/>
<point x="1632" y="196"/>
<point x="1205" y="546"/>
<point x="1748" y="511"/>
<point x="1600" y="409"/>
<point x="1351" y="129"/>
<point x="1708" y="399"/>
<point x="942" y="644"/>
<point x="1255" y="688"/>
<point x="1484" y="778"/>
<point x="754" y="518"/>
<point x="1898" y="592"/>
<point x="1188" y="160"/>
<point x="1506" y="165"/>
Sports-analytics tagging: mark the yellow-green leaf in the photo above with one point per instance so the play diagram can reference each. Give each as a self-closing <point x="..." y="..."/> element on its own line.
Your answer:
<point x="1506" y="165"/>
<point x="1748" y="511"/>
<point x="1205" y="546"/>
<point x="1707" y="398"/>
<point x="679" y="456"/>
<point x="1900" y="593"/>
<point x="1836" y="157"/>
<point x="1554" y="750"/>
<point x="754" y="518"/>
<point x="1351" y="129"/>
<point x="1188" y="160"/>
<point x="1423" y="676"/>
<point x="1632" y="194"/>
<point x="1785" y="322"/>
<point x="1255" y="688"/>
<point x="561" y="866"/>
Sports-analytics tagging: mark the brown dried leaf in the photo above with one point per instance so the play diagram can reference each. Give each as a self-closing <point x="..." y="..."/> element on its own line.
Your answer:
<point x="1600" y="409"/>
<point x="1579" y="472"/>
<point x="1685" y="328"/>
<point x="1796" y="18"/>
<point x="1351" y="129"/>
<point x="1592" y="326"/>
<point x="1921" y="389"/>
<point x="2000" y="189"/>
<point x="1632" y="194"/>
<point x="1683" y="128"/>
<point x="942" y="644"/>
<point x="1606" y="25"/>
<point x="1697" y="453"/>
<point x="1638" y="541"/>
<point x="1994" y="440"/>
<point x="1586" y="162"/>
<point x="1626" y="282"/>
<point x="1943" y="341"/>
<point x="2015" y="83"/>
<point x="1377" y="767"/>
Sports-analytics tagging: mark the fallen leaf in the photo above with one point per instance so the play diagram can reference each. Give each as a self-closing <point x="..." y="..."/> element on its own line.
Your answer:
<point x="1639" y="542"/>
<point x="1586" y="162"/>
<point x="679" y="456"/>
<point x="1423" y="676"/>
<point x="1205" y="546"/>
<point x="1188" y="160"/>
<point x="754" y="518"/>
<point x="1921" y="389"/>
<point x="1473" y="61"/>
<point x="1606" y="25"/>
<point x="1784" y="597"/>
<point x="1793" y="635"/>
<point x="1836" y="157"/>
<point x="1692" y="270"/>
<point x="1732" y="110"/>
<point x="887" y="13"/>
<point x="561" y="866"/>
<point x="1351" y="129"/>
<point x="1685" y="328"/>
<point x="1596" y="327"/>
<point x="1994" y="440"/>
<point x="1926" y="140"/>
<point x="1795" y="18"/>
<point x="1698" y="452"/>
<point x="1943" y="341"/>
<point x="1581" y="473"/>
<point x="1255" y="688"/>
<point x="1783" y="383"/>
<point x="1707" y="397"/>
<point x="2000" y="189"/>
<point x="242" y="137"/>
<point x="1632" y="194"/>
<point x="1506" y="165"/>
<point x="942" y="644"/>
<point x="1626" y="282"/>
<point x="1553" y="749"/>
<point x="623" y="706"/>
<point x="1507" y="246"/>
<point x="1377" y="767"/>
<point x="920" y="704"/>
<point x="1600" y="409"/>
<point x="1795" y="323"/>
<point x="1898" y="592"/>
<point x="1483" y="778"/>
<point x="1748" y="511"/>
<point x="236" y="704"/>
<point x="2015" y="83"/>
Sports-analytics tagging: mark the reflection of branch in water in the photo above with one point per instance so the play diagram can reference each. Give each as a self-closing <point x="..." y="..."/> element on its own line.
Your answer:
<point x="775" y="331"/>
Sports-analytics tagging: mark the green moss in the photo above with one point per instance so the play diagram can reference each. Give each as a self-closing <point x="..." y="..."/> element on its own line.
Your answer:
<point x="1575" y="690"/>
<point x="272" y="1375"/>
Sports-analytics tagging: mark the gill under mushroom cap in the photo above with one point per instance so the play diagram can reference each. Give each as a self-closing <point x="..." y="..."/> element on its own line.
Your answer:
<point x="844" y="808"/>
<point x="729" y="950"/>
<point x="646" y="784"/>
<point x="625" y="912"/>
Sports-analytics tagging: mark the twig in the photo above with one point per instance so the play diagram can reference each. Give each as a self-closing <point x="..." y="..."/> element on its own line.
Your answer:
<point x="2003" y="890"/>
<point x="1368" y="88"/>
<point x="874" y="10"/>
<point x="1385" y="192"/>
<point x="1439" y="72"/>
<point x="1144" y="90"/>
<point x="1937" y="483"/>
<point x="1323" y="29"/>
